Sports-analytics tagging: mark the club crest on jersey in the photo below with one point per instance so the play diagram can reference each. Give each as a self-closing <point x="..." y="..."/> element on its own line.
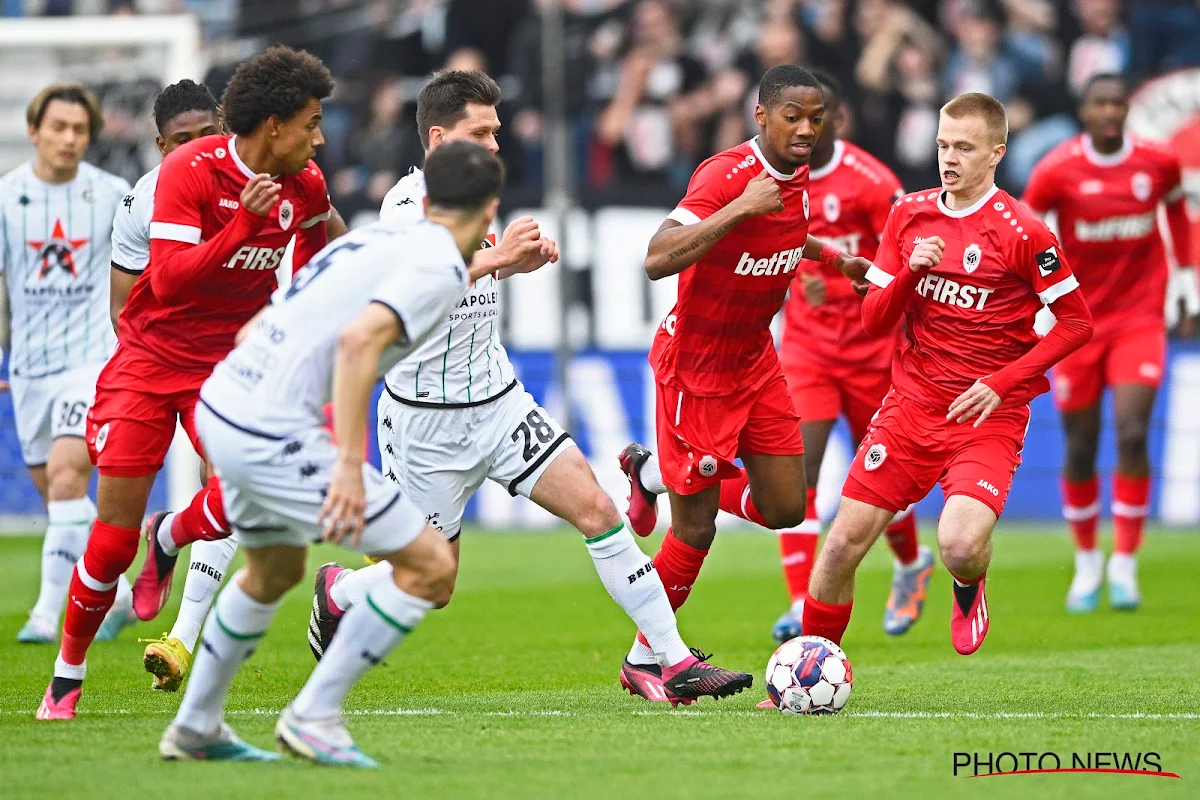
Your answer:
<point x="971" y="257"/>
<point x="1141" y="185"/>
<point x="832" y="207"/>
<point x="708" y="466"/>
<point x="876" y="455"/>
<point x="285" y="214"/>
<point x="805" y="203"/>
<point x="58" y="252"/>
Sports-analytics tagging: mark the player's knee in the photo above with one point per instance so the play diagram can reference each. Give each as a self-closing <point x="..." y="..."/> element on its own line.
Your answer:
<point x="963" y="553"/>
<point x="787" y="514"/>
<point x="66" y="481"/>
<point x="599" y="514"/>
<point x="1080" y="461"/>
<point x="1131" y="438"/>
<point x="443" y="599"/>
<point x="439" y="571"/>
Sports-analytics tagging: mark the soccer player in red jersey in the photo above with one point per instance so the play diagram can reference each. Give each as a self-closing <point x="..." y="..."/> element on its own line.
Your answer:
<point x="968" y="267"/>
<point x="735" y="241"/>
<point x="224" y="211"/>
<point x="835" y="368"/>
<point x="1105" y="188"/>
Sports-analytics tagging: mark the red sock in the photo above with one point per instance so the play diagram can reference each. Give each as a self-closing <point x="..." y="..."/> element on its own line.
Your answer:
<point x="110" y="551"/>
<point x="798" y="549"/>
<point x="736" y="500"/>
<point x="1081" y="510"/>
<point x="203" y="519"/>
<point x="1130" y="502"/>
<point x="677" y="565"/>
<point x="826" y="619"/>
<point x="902" y="537"/>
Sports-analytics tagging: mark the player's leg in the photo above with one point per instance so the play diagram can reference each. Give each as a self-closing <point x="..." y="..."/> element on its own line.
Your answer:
<point x="1135" y="368"/>
<point x="1078" y="386"/>
<point x="965" y="541"/>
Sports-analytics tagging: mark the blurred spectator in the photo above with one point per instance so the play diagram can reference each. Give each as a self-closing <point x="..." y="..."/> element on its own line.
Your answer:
<point x="1165" y="35"/>
<point x="1104" y="46"/>
<point x="387" y="142"/>
<point x="734" y="91"/>
<point x="977" y="62"/>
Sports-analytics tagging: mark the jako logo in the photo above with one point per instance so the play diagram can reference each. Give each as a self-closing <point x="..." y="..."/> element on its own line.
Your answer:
<point x="225" y="202"/>
<point x="784" y="261"/>
<point x="258" y="258"/>
<point x="988" y="487"/>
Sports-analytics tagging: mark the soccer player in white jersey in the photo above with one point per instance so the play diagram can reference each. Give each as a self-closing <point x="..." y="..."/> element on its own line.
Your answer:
<point x="360" y="305"/>
<point x="454" y="414"/>
<point x="56" y="216"/>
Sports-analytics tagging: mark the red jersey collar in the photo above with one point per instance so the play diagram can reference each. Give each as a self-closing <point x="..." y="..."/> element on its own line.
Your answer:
<point x="774" y="173"/>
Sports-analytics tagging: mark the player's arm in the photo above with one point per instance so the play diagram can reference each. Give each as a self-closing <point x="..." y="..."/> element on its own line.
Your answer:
<point x="892" y="281"/>
<point x="182" y="262"/>
<point x="1058" y="288"/>
<point x="853" y="267"/>
<point x="521" y="248"/>
<point x="685" y="237"/>
<point x="335" y="226"/>
<point x="1183" y="289"/>
<point x="120" y="284"/>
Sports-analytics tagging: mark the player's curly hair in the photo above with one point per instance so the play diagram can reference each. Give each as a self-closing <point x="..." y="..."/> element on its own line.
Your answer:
<point x="178" y="98"/>
<point x="443" y="101"/>
<point x="783" y="77"/>
<point x="75" y="93"/>
<point x="277" y="83"/>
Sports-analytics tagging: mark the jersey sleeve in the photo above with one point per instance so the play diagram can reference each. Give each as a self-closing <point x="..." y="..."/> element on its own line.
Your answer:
<point x="1039" y="261"/>
<point x="184" y="188"/>
<point x="888" y="259"/>
<point x="422" y="294"/>
<point x="130" y="235"/>
<point x="1041" y="192"/>
<point x="317" y="206"/>
<point x="401" y="205"/>
<point x="710" y="189"/>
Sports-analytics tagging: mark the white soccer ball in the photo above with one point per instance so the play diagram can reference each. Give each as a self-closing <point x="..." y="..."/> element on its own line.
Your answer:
<point x="809" y="675"/>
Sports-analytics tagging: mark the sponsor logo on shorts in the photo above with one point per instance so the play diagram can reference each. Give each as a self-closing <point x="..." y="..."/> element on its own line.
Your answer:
<point x="102" y="437"/>
<point x="1062" y="387"/>
<point x="1149" y="370"/>
<point x="876" y="455"/>
<point x="708" y="466"/>
<point x="988" y="488"/>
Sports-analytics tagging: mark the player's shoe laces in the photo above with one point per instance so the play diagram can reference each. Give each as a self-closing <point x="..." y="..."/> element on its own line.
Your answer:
<point x="321" y="741"/>
<point x="168" y="661"/>
<point x="907" y="599"/>
<point x="62" y="695"/>
<point x="694" y="678"/>
<point x="644" y="680"/>
<point x="326" y="616"/>
<point x="969" y="629"/>
<point x="118" y="618"/>
<point x="643" y="504"/>
<point x="38" y="630"/>
<point x="1123" y="594"/>
<point x="790" y="624"/>
<point x="1084" y="595"/>
<point x="152" y="588"/>
<point x="184" y="744"/>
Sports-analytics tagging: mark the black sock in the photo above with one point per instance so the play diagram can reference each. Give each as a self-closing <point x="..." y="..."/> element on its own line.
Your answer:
<point x="965" y="596"/>
<point x="60" y="687"/>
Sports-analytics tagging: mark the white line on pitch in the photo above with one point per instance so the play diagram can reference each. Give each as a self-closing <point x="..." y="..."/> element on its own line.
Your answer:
<point x="435" y="712"/>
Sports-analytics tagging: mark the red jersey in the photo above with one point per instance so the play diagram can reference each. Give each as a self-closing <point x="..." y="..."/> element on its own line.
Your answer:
<point x="972" y="314"/>
<point x="717" y="339"/>
<point x="212" y="263"/>
<point x="1107" y="209"/>
<point x="851" y="197"/>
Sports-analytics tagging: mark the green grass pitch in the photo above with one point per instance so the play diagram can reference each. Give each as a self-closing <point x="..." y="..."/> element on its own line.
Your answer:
<point x="512" y="690"/>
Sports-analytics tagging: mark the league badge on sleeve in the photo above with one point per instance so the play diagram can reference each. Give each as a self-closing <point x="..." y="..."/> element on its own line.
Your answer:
<point x="1047" y="261"/>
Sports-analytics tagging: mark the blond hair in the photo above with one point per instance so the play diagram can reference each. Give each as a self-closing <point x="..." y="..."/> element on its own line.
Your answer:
<point x="981" y="106"/>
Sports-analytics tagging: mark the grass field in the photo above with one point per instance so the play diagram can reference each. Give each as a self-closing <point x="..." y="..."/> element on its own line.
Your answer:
<point x="512" y="690"/>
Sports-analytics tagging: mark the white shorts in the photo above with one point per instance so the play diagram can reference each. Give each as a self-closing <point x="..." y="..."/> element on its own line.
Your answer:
<point x="441" y="455"/>
<point x="274" y="488"/>
<point x="50" y="407"/>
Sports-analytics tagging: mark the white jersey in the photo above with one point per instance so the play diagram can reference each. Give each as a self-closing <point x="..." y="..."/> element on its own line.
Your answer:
<point x="55" y="252"/>
<point x="131" y="228"/>
<point x="279" y="379"/>
<point x="463" y="362"/>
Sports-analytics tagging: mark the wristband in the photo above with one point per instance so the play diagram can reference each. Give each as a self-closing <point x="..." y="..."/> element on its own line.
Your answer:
<point x="830" y="255"/>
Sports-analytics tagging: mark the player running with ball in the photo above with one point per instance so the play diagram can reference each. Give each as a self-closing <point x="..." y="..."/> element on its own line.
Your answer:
<point x="735" y="241"/>
<point x="968" y="267"/>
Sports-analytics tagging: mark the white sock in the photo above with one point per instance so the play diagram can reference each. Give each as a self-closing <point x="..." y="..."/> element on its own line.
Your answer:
<point x="640" y="654"/>
<point x="631" y="580"/>
<point x="369" y="631"/>
<point x="165" y="540"/>
<point x="651" y="477"/>
<point x="75" y="672"/>
<point x="209" y="564"/>
<point x="123" y="602"/>
<point x="351" y="587"/>
<point x="234" y="628"/>
<point x="66" y="539"/>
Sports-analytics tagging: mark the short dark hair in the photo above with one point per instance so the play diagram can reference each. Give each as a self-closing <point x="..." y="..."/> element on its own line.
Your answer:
<point x="443" y="101"/>
<point x="782" y="77"/>
<point x="1102" y="77"/>
<point x="829" y="85"/>
<point x="277" y="83"/>
<point x="75" y="93"/>
<point x="462" y="176"/>
<point x="178" y="98"/>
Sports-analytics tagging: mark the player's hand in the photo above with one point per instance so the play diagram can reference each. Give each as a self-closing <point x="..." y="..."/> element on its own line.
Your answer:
<point x="980" y="400"/>
<point x="814" y="288"/>
<point x="260" y="195"/>
<point x="927" y="254"/>
<point x="522" y="240"/>
<point x="853" y="267"/>
<point x="1183" y="300"/>
<point x="5" y="386"/>
<point x="345" y="503"/>
<point x="761" y="196"/>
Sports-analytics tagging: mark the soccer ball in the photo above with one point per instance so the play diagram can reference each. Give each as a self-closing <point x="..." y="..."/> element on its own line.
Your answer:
<point x="809" y="675"/>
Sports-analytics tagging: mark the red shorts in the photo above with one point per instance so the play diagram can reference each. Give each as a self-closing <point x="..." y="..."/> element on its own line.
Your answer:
<point x="910" y="447"/>
<point x="823" y="393"/>
<point x="1136" y="356"/>
<point x="132" y="421"/>
<point x="699" y="437"/>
